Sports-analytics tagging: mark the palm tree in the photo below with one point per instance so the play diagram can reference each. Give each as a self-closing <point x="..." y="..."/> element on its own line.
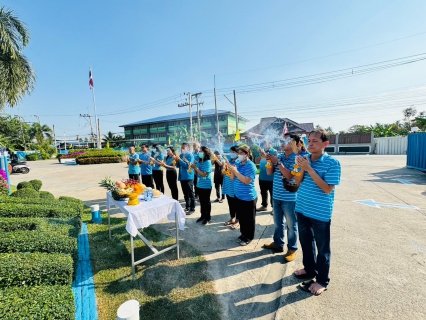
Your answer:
<point x="112" y="140"/>
<point x="40" y="132"/>
<point x="17" y="77"/>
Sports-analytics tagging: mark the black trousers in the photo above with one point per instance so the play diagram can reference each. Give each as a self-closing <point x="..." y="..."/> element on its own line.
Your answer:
<point x="266" y="186"/>
<point x="232" y="206"/>
<point x="147" y="180"/>
<point x="205" y="204"/>
<point x="188" y="193"/>
<point x="246" y="213"/>
<point x="134" y="176"/>
<point x="195" y="184"/>
<point x="171" y="177"/>
<point x="158" y="179"/>
<point x="218" y="186"/>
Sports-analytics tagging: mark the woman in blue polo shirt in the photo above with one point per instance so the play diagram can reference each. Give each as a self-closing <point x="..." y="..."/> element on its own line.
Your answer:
<point x="204" y="183"/>
<point x="171" y="174"/>
<point x="228" y="189"/>
<point x="243" y="175"/>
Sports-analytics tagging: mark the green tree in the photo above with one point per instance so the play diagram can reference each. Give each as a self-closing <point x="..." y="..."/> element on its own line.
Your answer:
<point x="17" y="77"/>
<point x="113" y="140"/>
<point x="41" y="133"/>
<point x="15" y="130"/>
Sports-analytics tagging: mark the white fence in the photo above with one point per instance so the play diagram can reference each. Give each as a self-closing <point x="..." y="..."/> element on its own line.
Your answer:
<point x="391" y="145"/>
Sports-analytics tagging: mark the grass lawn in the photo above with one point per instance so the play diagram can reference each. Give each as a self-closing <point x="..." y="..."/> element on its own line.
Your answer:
<point x="165" y="287"/>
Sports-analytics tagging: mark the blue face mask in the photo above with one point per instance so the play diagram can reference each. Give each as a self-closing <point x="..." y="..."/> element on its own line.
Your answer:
<point x="201" y="155"/>
<point x="233" y="156"/>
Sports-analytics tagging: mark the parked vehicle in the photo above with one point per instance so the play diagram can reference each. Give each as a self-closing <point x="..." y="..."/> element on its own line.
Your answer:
<point x="20" y="167"/>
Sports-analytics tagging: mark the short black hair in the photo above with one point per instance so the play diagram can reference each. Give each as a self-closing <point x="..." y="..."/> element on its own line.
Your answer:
<point x="207" y="152"/>
<point x="234" y="148"/>
<point x="186" y="144"/>
<point x="144" y="145"/>
<point x="323" y="134"/>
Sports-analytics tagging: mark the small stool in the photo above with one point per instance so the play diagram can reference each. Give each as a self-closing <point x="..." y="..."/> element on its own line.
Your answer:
<point x="129" y="310"/>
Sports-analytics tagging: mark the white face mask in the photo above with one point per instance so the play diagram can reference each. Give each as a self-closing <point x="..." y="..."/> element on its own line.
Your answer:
<point x="242" y="157"/>
<point x="234" y="155"/>
<point x="184" y="151"/>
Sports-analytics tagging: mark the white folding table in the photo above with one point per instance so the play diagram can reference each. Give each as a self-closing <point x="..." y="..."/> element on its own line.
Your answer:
<point x="143" y="215"/>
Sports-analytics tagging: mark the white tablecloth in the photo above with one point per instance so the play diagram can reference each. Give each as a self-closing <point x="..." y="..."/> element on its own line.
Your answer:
<point x="148" y="212"/>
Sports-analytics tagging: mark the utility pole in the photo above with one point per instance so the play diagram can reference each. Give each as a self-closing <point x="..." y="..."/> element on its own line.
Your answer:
<point x="99" y="134"/>
<point x="65" y="139"/>
<point x="236" y="111"/>
<point x="22" y="131"/>
<point x="92" y="134"/>
<point x="198" y="113"/>
<point x="217" y="116"/>
<point x="189" y="103"/>
<point x="54" y="136"/>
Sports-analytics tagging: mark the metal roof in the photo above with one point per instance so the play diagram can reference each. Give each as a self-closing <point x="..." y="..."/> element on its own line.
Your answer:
<point x="180" y="116"/>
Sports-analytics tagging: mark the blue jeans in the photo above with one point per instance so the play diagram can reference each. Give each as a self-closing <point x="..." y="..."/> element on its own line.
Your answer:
<point x="314" y="233"/>
<point x="284" y="214"/>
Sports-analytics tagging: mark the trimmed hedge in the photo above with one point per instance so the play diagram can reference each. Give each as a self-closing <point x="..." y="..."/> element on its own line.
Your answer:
<point x="46" y="195"/>
<point x="24" y="184"/>
<point x="26" y="193"/>
<point x="37" y="241"/>
<point x="36" y="184"/>
<point x="32" y="269"/>
<point x="78" y="202"/>
<point x="62" y="204"/>
<point x="100" y="153"/>
<point x="63" y="226"/>
<point x="40" y="302"/>
<point x="45" y="210"/>
<point x="98" y="160"/>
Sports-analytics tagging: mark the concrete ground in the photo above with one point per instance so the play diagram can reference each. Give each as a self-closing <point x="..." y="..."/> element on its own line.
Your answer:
<point x="378" y="266"/>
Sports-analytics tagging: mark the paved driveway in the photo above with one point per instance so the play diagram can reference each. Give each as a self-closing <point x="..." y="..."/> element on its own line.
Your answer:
<point x="378" y="266"/>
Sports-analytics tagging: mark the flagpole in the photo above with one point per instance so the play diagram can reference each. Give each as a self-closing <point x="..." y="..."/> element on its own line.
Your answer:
<point x="96" y="117"/>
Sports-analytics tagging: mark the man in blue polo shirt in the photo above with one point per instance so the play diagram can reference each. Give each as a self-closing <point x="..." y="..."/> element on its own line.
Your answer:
<point x="146" y="167"/>
<point x="314" y="206"/>
<point x="196" y="147"/>
<point x="284" y="201"/>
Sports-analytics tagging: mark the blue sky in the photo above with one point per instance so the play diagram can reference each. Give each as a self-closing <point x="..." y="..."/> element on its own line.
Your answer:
<point x="145" y="51"/>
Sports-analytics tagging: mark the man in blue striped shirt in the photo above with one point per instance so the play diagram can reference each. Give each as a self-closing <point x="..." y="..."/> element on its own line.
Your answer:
<point x="314" y="206"/>
<point x="284" y="201"/>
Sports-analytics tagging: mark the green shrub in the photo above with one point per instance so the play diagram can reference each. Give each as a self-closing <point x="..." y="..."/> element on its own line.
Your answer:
<point x="46" y="210"/>
<point x="72" y="200"/>
<point x="46" y="195"/>
<point x="32" y="157"/>
<point x="24" y="184"/>
<point x="33" y="269"/>
<point x="98" y="160"/>
<point x="45" y="155"/>
<point x="62" y="226"/>
<point x="26" y="193"/>
<point x="100" y="153"/>
<point x="36" y="184"/>
<point x="63" y="204"/>
<point x="37" y="241"/>
<point x="39" y="302"/>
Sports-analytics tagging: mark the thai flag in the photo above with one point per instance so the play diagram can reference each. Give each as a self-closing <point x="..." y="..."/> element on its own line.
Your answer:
<point x="285" y="130"/>
<point x="90" y="79"/>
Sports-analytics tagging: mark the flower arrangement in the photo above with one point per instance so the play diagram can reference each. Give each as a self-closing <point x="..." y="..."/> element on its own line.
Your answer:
<point x="126" y="188"/>
<point x="226" y="171"/>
